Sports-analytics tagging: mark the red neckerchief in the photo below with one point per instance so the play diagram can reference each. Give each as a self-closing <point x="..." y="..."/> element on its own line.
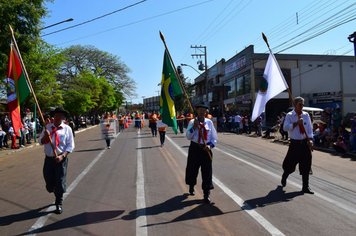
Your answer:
<point x="205" y="133"/>
<point x="56" y="136"/>
<point x="301" y="127"/>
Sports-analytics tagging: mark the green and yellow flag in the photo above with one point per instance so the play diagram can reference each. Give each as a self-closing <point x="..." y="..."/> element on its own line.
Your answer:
<point x="170" y="88"/>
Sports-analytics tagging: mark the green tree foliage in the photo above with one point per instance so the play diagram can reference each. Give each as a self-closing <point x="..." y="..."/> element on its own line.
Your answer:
<point x="100" y="63"/>
<point x="180" y="101"/>
<point x="86" y="91"/>
<point x="42" y="64"/>
<point x="25" y="19"/>
<point x="81" y="93"/>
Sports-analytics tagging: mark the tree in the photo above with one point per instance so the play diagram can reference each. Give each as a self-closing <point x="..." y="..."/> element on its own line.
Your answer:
<point x="180" y="101"/>
<point x="100" y="63"/>
<point x="42" y="64"/>
<point x="82" y="93"/>
<point x="25" y="19"/>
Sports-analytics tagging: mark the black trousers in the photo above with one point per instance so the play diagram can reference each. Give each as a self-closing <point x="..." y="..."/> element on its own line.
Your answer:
<point x="198" y="158"/>
<point x="154" y="129"/>
<point x="162" y="136"/>
<point x="298" y="153"/>
<point x="55" y="175"/>
<point x="180" y="126"/>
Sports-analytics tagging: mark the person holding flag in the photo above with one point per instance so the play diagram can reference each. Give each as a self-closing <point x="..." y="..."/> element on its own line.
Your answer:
<point x="198" y="153"/>
<point x="55" y="166"/>
<point x="199" y="130"/>
<point x="297" y="123"/>
<point x="299" y="151"/>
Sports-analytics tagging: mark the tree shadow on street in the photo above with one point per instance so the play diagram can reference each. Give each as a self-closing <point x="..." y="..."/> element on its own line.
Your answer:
<point x="275" y="196"/>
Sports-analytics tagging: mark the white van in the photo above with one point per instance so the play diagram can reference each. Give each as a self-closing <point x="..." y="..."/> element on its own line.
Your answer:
<point x="317" y="112"/>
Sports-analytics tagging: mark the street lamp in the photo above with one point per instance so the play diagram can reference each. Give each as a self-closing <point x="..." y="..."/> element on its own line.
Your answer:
<point x="182" y="64"/>
<point x="353" y="36"/>
<point x="70" y="19"/>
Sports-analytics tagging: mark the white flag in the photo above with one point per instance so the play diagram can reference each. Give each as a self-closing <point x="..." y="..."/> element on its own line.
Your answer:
<point x="272" y="85"/>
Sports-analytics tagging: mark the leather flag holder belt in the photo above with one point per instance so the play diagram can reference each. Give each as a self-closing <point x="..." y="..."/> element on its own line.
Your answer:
<point x="197" y="144"/>
<point x="303" y="141"/>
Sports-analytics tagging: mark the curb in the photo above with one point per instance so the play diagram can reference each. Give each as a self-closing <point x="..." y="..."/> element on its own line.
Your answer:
<point x="37" y="144"/>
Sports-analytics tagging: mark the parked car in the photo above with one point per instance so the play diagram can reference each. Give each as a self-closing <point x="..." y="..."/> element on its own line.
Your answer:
<point x="348" y="118"/>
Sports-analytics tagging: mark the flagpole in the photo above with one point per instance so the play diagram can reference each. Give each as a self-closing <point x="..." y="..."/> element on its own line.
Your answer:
<point x="181" y="85"/>
<point x="30" y="85"/>
<point x="290" y="96"/>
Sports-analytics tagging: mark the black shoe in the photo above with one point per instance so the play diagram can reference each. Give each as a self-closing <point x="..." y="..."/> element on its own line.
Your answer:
<point x="307" y="190"/>
<point x="191" y="190"/>
<point x="284" y="181"/>
<point x="58" y="210"/>
<point x="206" y="198"/>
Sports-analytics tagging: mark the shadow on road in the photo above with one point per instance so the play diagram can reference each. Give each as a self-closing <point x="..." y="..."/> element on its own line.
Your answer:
<point x="89" y="150"/>
<point x="275" y="196"/>
<point x="177" y="203"/>
<point x="28" y="215"/>
<point x="85" y="218"/>
<point x="149" y="147"/>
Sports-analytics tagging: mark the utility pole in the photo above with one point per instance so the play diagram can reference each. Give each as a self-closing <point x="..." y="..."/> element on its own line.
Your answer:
<point x="201" y="48"/>
<point x="353" y="36"/>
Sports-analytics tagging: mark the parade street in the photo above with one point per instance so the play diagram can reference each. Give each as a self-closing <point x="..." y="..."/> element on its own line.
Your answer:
<point x="138" y="188"/>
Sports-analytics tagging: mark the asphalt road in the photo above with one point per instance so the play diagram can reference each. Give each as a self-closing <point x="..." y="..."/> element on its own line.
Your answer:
<point x="137" y="188"/>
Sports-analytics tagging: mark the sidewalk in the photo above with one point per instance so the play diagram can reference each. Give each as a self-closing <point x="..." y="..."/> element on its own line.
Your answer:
<point x="9" y="151"/>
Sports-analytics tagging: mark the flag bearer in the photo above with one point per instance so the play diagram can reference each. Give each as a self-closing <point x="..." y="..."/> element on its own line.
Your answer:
<point x="55" y="168"/>
<point x="299" y="151"/>
<point x="198" y="153"/>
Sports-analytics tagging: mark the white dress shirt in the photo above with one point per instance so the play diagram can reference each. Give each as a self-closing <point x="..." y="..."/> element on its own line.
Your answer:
<point x="193" y="135"/>
<point x="294" y="133"/>
<point x="66" y="141"/>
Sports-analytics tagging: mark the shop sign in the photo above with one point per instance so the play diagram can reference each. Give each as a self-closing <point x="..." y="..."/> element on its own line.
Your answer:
<point x="243" y="98"/>
<point x="237" y="65"/>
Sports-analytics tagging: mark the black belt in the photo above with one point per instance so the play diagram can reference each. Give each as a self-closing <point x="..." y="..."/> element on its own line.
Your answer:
<point x="197" y="144"/>
<point x="303" y="141"/>
<point x="53" y="156"/>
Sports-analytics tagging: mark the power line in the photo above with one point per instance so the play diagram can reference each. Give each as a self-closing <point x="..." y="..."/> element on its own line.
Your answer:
<point x="85" y="22"/>
<point x="135" y="22"/>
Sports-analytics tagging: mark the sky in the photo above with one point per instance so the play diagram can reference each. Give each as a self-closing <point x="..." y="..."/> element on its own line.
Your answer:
<point x="225" y="27"/>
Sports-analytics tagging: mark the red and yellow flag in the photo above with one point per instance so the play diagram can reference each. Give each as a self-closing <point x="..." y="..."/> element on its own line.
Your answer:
<point x="17" y="89"/>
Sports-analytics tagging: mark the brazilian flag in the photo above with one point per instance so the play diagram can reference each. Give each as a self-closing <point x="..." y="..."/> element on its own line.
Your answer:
<point x="170" y="88"/>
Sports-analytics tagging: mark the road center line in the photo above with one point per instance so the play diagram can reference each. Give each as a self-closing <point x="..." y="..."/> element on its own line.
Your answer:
<point x="42" y="220"/>
<point x="254" y="214"/>
<point x="141" y="222"/>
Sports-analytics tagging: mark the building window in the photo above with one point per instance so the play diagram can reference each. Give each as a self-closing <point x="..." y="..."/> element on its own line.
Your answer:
<point x="217" y="80"/>
<point x="310" y="65"/>
<point x="229" y="89"/>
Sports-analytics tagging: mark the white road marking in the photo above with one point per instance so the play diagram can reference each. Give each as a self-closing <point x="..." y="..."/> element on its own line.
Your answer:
<point x="141" y="221"/>
<point x="336" y="203"/>
<point x="42" y="220"/>
<point x="254" y="214"/>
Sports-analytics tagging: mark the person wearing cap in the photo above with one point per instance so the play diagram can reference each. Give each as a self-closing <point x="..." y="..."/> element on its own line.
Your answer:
<point x="55" y="167"/>
<point x="299" y="151"/>
<point x="198" y="153"/>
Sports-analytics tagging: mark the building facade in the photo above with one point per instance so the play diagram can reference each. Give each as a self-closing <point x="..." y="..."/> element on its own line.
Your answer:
<point x="151" y="104"/>
<point x="322" y="80"/>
